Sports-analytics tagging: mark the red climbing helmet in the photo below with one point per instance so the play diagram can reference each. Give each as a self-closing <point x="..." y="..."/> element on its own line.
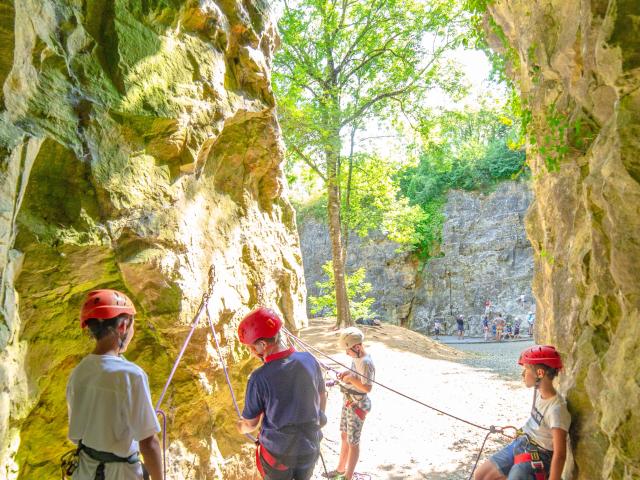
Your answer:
<point x="260" y="323"/>
<point x="541" y="354"/>
<point x="105" y="304"/>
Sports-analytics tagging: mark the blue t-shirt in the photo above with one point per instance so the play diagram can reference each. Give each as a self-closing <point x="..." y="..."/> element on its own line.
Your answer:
<point x="288" y="391"/>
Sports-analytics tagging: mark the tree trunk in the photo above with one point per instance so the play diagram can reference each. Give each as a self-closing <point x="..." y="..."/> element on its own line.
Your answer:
<point x="347" y="197"/>
<point x="335" y="233"/>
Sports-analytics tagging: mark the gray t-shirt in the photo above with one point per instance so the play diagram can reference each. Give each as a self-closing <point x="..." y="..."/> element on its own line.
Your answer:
<point x="546" y="414"/>
<point x="364" y="367"/>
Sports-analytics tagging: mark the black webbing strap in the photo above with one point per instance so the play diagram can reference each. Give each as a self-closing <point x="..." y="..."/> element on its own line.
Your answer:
<point x="106" y="457"/>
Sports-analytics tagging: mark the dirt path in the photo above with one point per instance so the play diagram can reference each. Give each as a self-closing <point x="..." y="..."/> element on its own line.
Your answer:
<point x="403" y="440"/>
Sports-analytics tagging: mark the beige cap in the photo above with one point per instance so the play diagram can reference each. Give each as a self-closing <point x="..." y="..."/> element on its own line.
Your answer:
<point x="349" y="337"/>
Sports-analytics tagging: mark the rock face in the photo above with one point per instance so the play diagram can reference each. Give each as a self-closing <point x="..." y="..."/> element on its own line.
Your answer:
<point x="486" y="257"/>
<point x="577" y="65"/>
<point x="139" y="148"/>
<point x="392" y="275"/>
<point x="485" y="248"/>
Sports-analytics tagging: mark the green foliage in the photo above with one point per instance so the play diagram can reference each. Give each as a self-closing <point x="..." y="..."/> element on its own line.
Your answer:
<point x="375" y="201"/>
<point x="428" y="231"/>
<point x="562" y="131"/>
<point x="344" y="62"/>
<point x="464" y="150"/>
<point x="357" y="288"/>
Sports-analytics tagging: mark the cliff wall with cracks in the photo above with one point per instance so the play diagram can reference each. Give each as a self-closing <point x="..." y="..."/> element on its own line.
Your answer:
<point x="485" y="256"/>
<point x="138" y="146"/>
<point x="577" y="65"/>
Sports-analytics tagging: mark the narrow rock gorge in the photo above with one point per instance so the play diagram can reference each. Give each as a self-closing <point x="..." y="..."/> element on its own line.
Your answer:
<point x="577" y="66"/>
<point x="140" y="151"/>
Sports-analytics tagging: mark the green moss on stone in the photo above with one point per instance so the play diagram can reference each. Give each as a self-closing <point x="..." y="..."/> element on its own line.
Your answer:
<point x="59" y="204"/>
<point x="626" y="32"/>
<point x="7" y="14"/>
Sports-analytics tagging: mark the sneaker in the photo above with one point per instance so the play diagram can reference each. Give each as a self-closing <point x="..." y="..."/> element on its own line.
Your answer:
<point x="332" y="474"/>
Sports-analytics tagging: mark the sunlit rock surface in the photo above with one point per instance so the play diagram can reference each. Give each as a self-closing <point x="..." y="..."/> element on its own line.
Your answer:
<point x="139" y="147"/>
<point x="577" y="65"/>
<point x="484" y="246"/>
<point x="485" y="257"/>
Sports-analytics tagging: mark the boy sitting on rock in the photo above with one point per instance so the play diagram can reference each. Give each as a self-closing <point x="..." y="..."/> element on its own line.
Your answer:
<point x="539" y="451"/>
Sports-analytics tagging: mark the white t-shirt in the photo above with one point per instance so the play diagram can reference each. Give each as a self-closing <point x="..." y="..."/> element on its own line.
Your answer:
<point x="110" y="410"/>
<point x="547" y="413"/>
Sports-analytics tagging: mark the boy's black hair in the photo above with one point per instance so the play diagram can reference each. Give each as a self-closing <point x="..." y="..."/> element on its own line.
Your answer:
<point x="101" y="328"/>
<point x="549" y="372"/>
<point x="266" y="339"/>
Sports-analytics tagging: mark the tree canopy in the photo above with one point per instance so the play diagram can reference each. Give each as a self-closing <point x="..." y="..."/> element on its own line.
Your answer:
<point x="343" y="62"/>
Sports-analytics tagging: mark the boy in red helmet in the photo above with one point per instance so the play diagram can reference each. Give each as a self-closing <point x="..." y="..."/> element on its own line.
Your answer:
<point x="539" y="452"/>
<point x="288" y="394"/>
<point x="111" y="417"/>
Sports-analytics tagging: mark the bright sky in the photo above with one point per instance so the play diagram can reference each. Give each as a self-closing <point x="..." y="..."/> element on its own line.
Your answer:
<point x="386" y="142"/>
<point x="476" y="67"/>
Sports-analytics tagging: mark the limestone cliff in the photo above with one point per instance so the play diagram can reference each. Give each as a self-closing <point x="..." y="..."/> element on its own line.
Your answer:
<point x="139" y="147"/>
<point x="392" y="275"/>
<point x="484" y="247"/>
<point x="485" y="256"/>
<point x="577" y="65"/>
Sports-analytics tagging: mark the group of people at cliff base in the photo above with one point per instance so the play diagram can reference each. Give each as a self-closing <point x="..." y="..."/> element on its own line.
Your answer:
<point x="112" y="420"/>
<point x="501" y="329"/>
<point x="497" y="328"/>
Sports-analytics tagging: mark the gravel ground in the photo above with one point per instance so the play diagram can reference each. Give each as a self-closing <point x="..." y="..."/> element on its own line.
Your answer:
<point x="404" y="440"/>
<point x="500" y="358"/>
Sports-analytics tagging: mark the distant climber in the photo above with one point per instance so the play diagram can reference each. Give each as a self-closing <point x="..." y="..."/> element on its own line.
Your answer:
<point x="531" y="318"/>
<point x="508" y="332"/>
<point x="111" y="416"/>
<point x="437" y="328"/>
<point x="516" y="327"/>
<point x="460" y="324"/>
<point x="288" y="394"/>
<point x="485" y="327"/>
<point x="356" y="401"/>
<point x="539" y="451"/>
<point x="500" y="324"/>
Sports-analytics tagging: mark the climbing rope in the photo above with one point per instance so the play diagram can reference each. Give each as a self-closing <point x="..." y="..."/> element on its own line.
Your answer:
<point x="164" y="442"/>
<point x="196" y="319"/>
<point x="490" y="430"/>
<point x="194" y="323"/>
<point x="226" y="374"/>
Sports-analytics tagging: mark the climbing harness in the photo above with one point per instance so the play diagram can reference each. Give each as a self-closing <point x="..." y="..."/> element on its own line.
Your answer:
<point x="69" y="463"/>
<point x="352" y="398"/>
<point x="490" y="430"/>
<point x="281" y="462"/>
<point x="532" y="456"/>
<point x="532" y="450"/>
<point x="71" y="459"/>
